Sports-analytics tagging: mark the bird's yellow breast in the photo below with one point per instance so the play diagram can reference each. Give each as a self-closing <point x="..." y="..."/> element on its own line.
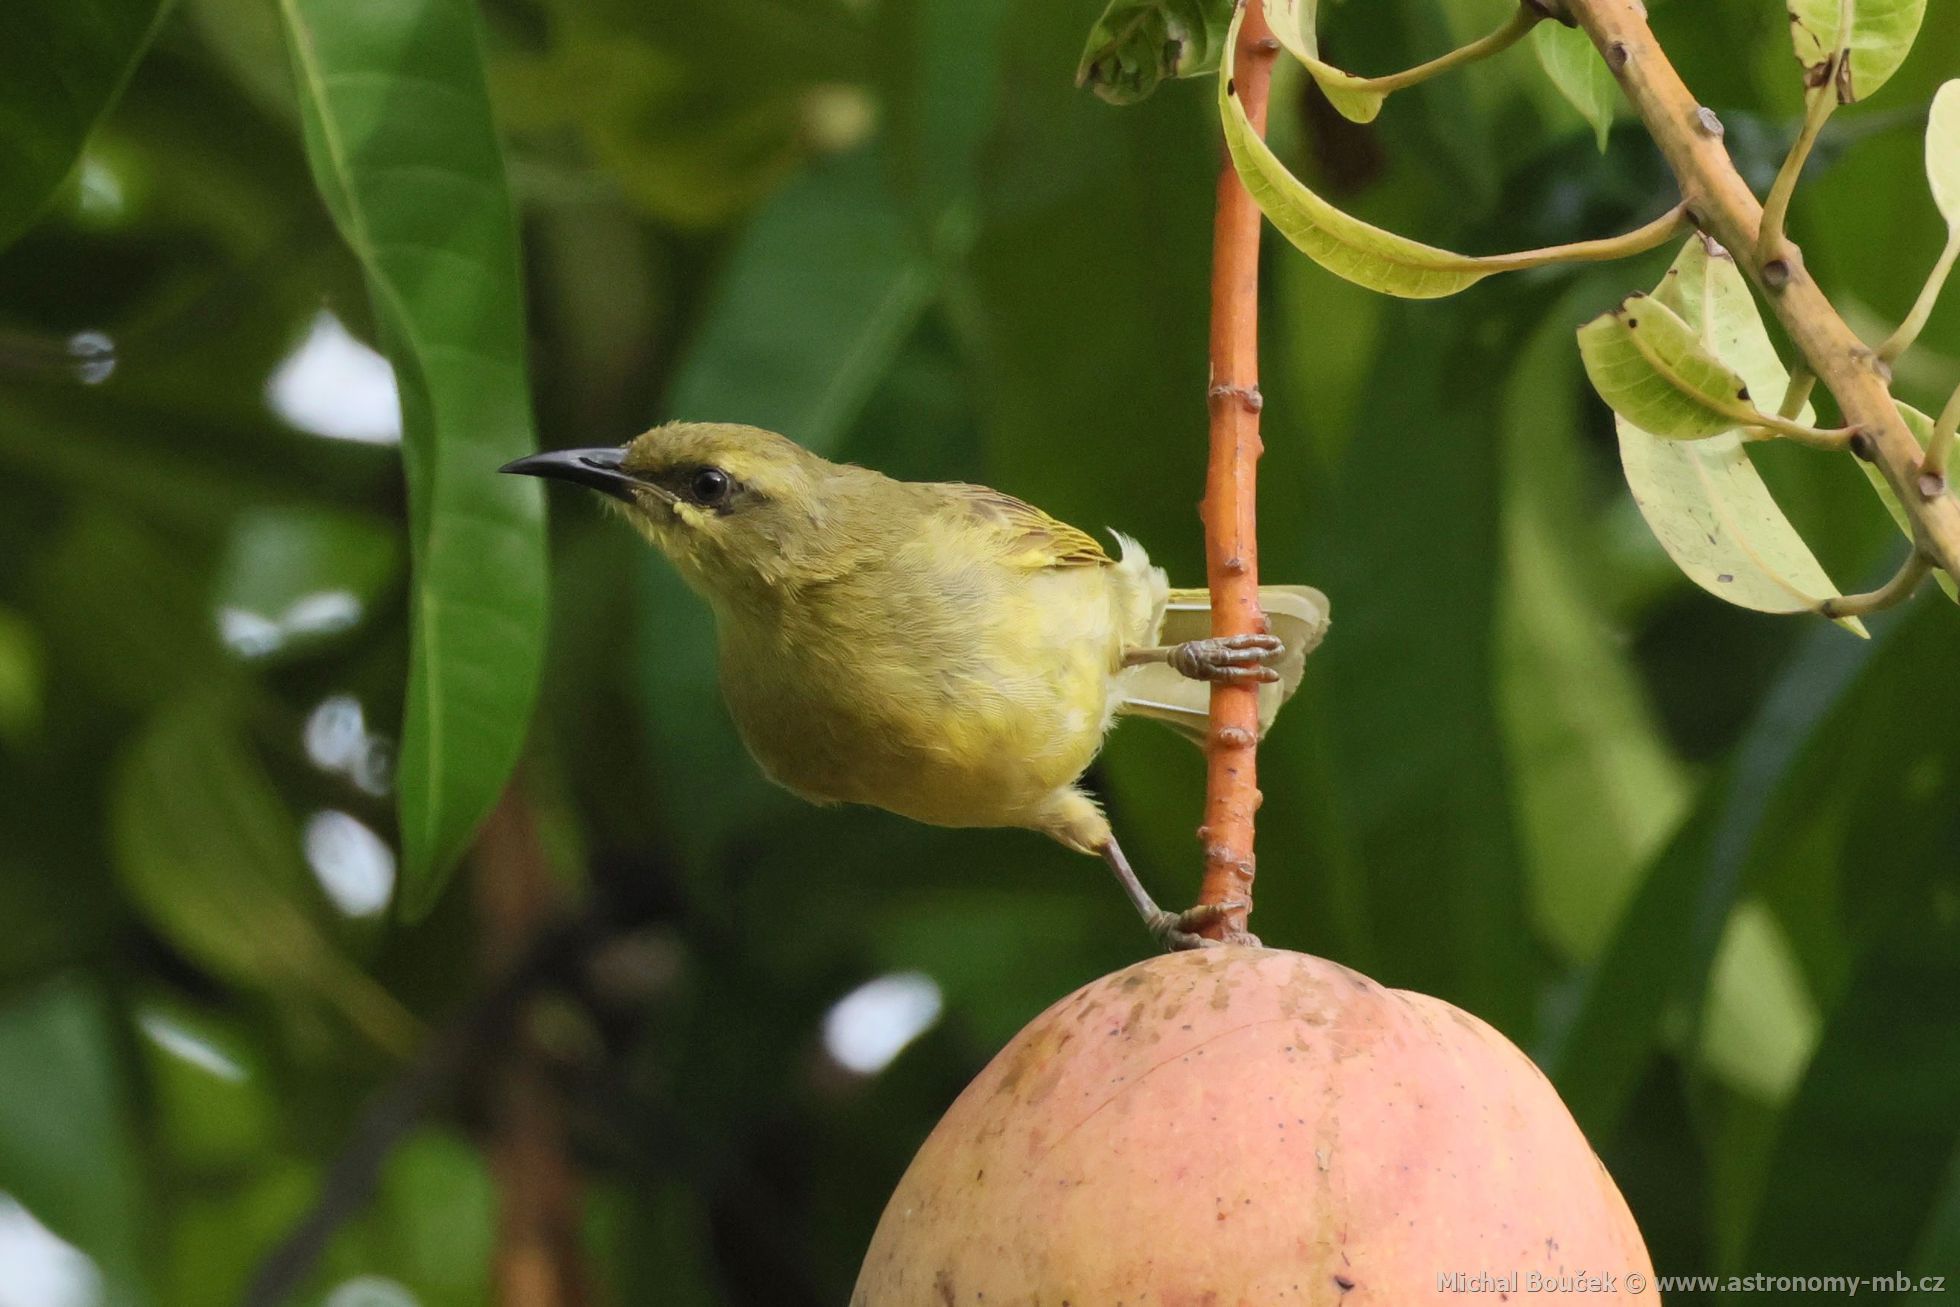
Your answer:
<point x="949" y="688"/>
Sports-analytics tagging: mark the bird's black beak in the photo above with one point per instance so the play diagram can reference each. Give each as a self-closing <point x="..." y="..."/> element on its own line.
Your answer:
<point x="597" y="469"/>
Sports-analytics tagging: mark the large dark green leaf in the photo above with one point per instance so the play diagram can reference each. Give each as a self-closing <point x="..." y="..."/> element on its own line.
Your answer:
<point x="1408" y="669"/>
<point x="1864" y="1148"/>
<point x="822" y="289"/>
<point x="399" y="131"/>
<point x="67" y="1151"/>
<point x="1598" y="791"/>
<point x="1667" y="939"/>
<point x="63" y="63"/>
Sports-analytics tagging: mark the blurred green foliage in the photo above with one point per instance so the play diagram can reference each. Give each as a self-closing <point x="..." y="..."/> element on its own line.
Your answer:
<point x="1704" y="864"/>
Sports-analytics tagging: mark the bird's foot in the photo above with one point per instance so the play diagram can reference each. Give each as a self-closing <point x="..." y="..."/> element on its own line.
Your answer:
<point x="1228" y="659"/>
<point x="1176" y="931"/>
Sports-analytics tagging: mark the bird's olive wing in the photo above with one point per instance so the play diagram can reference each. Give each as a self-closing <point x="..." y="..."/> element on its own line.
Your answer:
<point x="1026" y="536"/>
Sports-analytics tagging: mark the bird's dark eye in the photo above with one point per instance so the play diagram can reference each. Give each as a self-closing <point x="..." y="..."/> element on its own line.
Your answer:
<point x="709" y="486"/>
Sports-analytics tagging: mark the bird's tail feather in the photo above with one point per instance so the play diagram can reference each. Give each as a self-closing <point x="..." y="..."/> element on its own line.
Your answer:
<point x="1298" y="615"/>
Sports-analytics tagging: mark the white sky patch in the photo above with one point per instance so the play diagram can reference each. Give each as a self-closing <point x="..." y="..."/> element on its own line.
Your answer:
<point x="39" y="1269"/>
<point x="98" y="192"/>
<point x="337" y="740"/>
<point x="335" y="386"/>
<point x="873" y="1023"/>
<point x="254" y="635"/>
<point x="187" y="1046"/>
<point x="353" y="865"/>
<point x="94" y="355"/>
<point x="370" y="1291"/>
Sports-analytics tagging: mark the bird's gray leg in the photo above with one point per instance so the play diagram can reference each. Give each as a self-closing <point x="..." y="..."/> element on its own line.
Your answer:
<point x="1222" y="660"/>
<point x="1171" y="930"/>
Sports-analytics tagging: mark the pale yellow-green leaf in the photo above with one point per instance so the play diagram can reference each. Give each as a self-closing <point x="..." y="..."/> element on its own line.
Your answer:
<point x="1597" y="790"/>
<point x="1650" y="368"/>
<point x="1703" y="499"/>
<point x="1922" y="427"/>
<point x="1295" y="23"/>
<point x="1943" y="152"/>
<point x="1581" y="76"/>
<point x="1882" y="32"/>
<point x="1338" y="242"/>
<point x="1761" y="1024"/>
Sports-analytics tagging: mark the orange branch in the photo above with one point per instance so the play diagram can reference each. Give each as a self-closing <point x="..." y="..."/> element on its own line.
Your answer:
<point x="1230" y="504"/>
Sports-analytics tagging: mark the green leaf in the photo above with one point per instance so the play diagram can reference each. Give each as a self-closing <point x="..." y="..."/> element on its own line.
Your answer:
<point x="209" y="853"/>
<point x="1882" y="32"/>
<point x="1703" y="499"/>
<point x="402" y="143"/>
<point x="1943" y="152"/>
<point x="1338" y="242"/>
<point x="1922" y="427"/>
<point x="63" y="64"/>
<point x="67" y="1150"/>
<point x="1137" y="44"/>
<point x="21" y="677"/>
<point x="1296" y="24"/>
<point x="1581" y="76"/>
<point x="1417" y="748"/>
<point x="1596" y="787"/>
<point x="1893" y="1040"/>
<point x="1666" y="942"/>
<point x="1348" y="247"/>
<point x="1761" y="1023"/>
<point x="823" y="287"/>
<point x="1651" y="369"/>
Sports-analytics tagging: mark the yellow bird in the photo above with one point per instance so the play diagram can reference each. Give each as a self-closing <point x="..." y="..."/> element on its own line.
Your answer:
<point x="939" y="650"/>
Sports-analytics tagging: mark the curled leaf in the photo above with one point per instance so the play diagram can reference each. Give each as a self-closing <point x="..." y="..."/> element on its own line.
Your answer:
<point x="1651" y="369"/>
<point x="1366" y="255"/>
<point x="1137" y="44"/>
<point x="1295" y="23"/>
<point x="1338" y="242"/>
<point x="1703" y="499"/>
<point x="1882" y="33"/>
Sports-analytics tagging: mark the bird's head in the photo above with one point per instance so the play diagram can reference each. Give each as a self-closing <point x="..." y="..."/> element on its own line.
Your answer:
<point x="732" y="506"/>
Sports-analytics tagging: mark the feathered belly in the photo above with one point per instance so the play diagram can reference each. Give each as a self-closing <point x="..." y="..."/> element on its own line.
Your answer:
<point x="964" y="722"/>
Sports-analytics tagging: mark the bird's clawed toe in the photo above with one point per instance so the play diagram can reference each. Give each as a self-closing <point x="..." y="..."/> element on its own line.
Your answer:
<point x="1177" y="931"/>
<point x="1229" y="659"/>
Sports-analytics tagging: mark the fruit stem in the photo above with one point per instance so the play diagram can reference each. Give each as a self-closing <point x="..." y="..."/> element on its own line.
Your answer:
<point x="1229" y="509"/>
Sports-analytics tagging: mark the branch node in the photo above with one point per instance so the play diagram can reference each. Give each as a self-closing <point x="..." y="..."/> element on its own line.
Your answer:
<point x="1709" y="124"/>
<point x="1932" y="485"/>
<point x="1862" y="445"/>
<point x="1617" y="55"/>
<point x="1248" y="396"/>
<point x="1233" y="737"/>
<point x="1553" y="10"/>
<point x="1266" y="44"/>
<point x="1776" y="273"/>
